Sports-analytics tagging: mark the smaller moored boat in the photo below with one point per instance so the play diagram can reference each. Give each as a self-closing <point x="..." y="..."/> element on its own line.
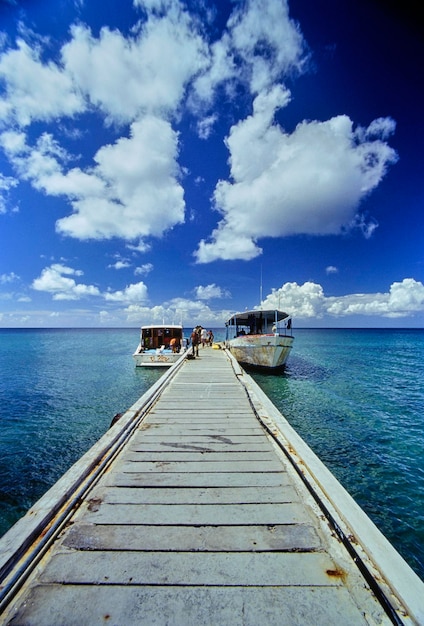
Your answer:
<point x="160" y="346"/>
<point x="259" y="338"/>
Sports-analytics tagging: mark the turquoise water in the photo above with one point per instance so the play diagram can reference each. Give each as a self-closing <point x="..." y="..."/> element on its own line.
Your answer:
<point x="59" y="391"/>
<point x="355" y="396"/>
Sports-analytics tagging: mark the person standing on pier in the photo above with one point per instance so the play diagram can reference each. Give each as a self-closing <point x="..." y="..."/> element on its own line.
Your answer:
<point x="195" y="339"/>
<point x="203" y="335"/>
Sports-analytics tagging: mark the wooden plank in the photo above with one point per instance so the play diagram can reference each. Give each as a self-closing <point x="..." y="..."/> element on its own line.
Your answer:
<point x="197" y="413"/>
<point x="238" y="405"/>
<point x="205" y="465"/>
<point x="142" y="445"/>
<point x="216" y="399"/>
<point x="204" y="455"/>
<point x="206" y="430"/>
<point x="75" y="605"/>
<point x="211" y="418"/>
<point x="216" y="393"/>
<point x="199" y="438"/>
<point x="192" y="514"/>
<point x="215" y="396"/>
<point x="255" y="538"/>
<point x="195" y="495"/>
<point x="212" y="479"/>
<point x="191" y="568"/>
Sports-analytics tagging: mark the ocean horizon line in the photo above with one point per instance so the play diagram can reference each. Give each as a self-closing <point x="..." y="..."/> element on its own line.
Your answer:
<point x="295" y="327"/>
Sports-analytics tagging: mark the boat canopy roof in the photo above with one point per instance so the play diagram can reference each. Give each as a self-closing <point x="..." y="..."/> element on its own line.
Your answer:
<point x="245" y="318"/>
<point x="177" y="326"/>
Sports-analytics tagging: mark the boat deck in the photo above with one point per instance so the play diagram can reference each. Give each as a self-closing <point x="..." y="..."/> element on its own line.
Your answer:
<point x="201" y="517"/>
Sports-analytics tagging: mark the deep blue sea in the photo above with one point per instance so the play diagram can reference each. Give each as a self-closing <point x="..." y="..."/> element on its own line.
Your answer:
<point x="355" y="396"/>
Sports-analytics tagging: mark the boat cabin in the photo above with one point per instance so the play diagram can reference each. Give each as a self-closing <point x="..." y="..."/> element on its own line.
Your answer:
<point x="154" y="337"/>
<point x="269" y="322"/>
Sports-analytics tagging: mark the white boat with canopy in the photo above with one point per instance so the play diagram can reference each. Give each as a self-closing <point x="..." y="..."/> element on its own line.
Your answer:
<point x="260" y="338"/>
<point x="160" y="346"/>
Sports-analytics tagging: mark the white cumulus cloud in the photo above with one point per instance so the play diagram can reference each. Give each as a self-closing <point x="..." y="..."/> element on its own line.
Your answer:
<point x="35" y="90"/>
<point x="57" y="280"/>
<point x="143" y="73"/>
<point x="132" y="192"/>
<point x="61" y="282"/>
<point x="136" y="292"/>
<point x="259" y="45"/>
<point x="309" y="301"/>
<point x="208" y="292"/>
<point x="308" y="182"/>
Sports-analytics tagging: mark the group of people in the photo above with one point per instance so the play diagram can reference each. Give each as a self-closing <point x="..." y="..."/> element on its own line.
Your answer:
<point x="200" y="336"/>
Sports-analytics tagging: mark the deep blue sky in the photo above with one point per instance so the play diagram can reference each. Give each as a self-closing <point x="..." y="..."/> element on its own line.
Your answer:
<point x="157" y="159"/>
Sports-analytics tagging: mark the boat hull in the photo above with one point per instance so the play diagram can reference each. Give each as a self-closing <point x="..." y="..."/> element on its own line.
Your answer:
<point x="156" y="358"/>
<point x="262" y="351"/>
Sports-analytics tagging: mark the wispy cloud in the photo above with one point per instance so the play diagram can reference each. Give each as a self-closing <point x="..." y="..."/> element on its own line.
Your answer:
<point x="208" y="292"/>
<point x="8" y="278"/>
<point x="120" y="264"/>
<point x="144" y="269"/>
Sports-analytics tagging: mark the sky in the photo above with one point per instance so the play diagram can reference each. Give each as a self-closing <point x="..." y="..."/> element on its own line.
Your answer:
<point x="167" y="161"/>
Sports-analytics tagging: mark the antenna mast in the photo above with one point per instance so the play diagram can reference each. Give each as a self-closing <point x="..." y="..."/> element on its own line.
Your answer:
<point x="260" y="292"/>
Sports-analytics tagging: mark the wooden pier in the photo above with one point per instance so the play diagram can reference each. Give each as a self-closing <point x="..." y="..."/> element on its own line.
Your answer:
<point x="201" y="506"/>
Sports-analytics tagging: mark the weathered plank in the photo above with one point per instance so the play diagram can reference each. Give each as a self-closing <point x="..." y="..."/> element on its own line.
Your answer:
<point x="193" y="495"/>
<point x="191" y="568"/>
<point x="133" y="464"/>
<point x="194" y="514"/>
<point x="206" y="430"/>
<point x="212" y="479"/>
<point x="144" y="445"/>
<point x="254" y="538"/>
<point x="74" y="605"/>
<point x="204" y="455"/>
<point x="209" y="418"/>
<point x="233" y="440"/>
